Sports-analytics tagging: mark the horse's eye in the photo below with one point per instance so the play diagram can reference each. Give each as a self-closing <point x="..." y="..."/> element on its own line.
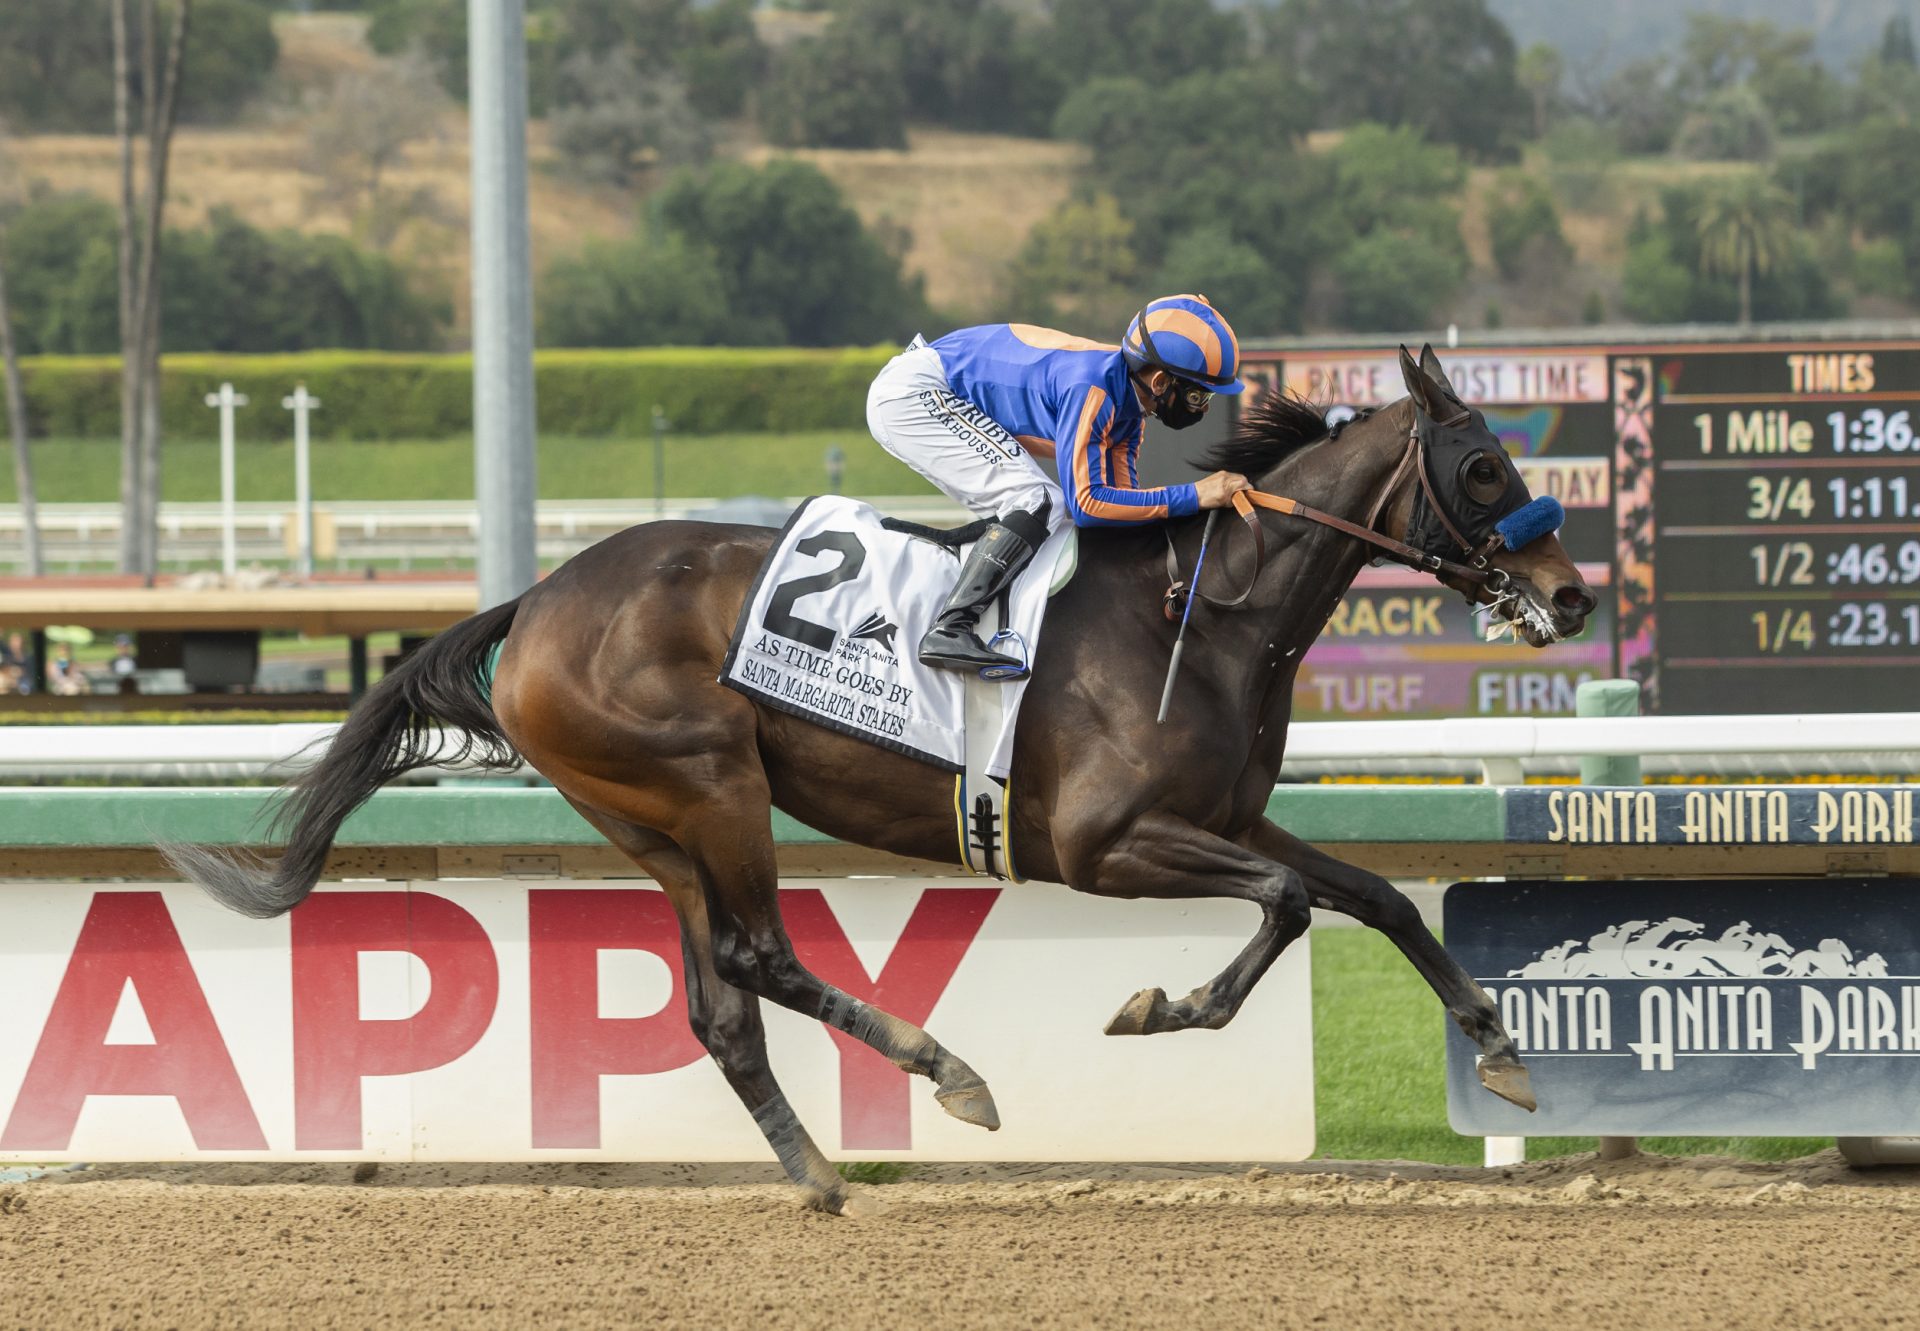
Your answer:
<point x="1486" y="478"/>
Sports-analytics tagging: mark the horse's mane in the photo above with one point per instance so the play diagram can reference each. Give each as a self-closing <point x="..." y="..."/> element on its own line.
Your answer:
<point x="1274" y="428"/>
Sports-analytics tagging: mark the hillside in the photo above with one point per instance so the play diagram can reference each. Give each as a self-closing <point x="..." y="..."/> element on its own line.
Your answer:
<point x="1601" y="37"/>
<point x="258" y="168"/>
<point x="930" y="199"/>
<point x="956" y="206"/>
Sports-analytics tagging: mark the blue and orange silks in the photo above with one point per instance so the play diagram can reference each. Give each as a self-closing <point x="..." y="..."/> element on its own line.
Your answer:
<point x="1067" y="400"/>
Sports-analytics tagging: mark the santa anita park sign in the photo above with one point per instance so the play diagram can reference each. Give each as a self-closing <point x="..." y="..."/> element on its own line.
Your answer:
<point x="1782" y="1008"/>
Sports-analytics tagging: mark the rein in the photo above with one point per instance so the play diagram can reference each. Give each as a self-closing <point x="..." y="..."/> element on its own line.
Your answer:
<point x="1246" y="502"/>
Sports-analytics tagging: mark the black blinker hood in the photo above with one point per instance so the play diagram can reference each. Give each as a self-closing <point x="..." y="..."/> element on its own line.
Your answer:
<point x="1447" y="451"/>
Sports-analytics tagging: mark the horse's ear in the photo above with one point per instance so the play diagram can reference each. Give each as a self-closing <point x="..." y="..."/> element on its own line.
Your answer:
<point x="1430" y="366"/>
<point x="1424" y="392"/>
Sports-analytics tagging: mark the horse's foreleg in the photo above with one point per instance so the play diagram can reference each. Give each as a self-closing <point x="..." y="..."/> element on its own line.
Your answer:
<point x="1335" y="885"/>
<point x="726" y="1020"/>
<point x="1166" y="857"/>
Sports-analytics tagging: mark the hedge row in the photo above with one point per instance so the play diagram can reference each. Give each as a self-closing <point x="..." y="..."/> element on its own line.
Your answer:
<point x="387" y="395"/>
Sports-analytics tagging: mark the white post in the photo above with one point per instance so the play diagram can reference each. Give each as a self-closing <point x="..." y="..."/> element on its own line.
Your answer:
<point x="300" y="404"/>
<point x="1501" y="1151"/>
<point x="226" y="400"/>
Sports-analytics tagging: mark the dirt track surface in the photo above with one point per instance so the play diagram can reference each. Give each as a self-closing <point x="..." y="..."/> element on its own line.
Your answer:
<point x="1578" y="1243"/>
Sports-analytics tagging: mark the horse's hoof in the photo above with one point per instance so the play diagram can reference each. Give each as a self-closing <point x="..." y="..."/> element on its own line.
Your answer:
<point x="971" y="1103"/>
<point x="1506" y="1077"/>
<point x="1140" y="1014"/>
<point x="863" y="1206"/>
<point x="833" y="1200"/>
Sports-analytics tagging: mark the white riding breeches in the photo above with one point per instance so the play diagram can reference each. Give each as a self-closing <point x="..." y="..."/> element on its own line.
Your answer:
<point x="915" y="415"/>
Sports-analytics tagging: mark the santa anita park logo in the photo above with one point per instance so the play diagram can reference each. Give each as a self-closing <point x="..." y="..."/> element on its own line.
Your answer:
<point x="1735" y="993"/>
<point x="1767" y="1008"/>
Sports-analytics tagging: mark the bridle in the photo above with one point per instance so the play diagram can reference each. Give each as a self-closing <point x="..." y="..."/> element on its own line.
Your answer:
<point x="1476" y="571"/>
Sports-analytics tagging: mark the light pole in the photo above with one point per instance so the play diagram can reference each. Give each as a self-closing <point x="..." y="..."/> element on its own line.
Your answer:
<point x="300" y="404"/>
<point x="503" y="454"/>
<point x="226" y="400"/>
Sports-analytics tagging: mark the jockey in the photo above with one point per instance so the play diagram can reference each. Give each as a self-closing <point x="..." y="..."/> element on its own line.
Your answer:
<point x="1034" y="428"/>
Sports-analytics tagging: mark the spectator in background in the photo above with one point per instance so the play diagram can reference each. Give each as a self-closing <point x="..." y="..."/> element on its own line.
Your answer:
<point x="64" y="676"/>
<point x="124" y="663"/>
<point x="19" y="671"/>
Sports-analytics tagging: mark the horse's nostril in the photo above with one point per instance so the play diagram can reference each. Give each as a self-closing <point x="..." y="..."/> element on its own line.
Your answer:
<point x="1576" y="600"/>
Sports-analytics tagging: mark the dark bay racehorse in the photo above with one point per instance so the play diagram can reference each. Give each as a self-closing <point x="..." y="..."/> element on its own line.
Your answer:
<point x="607" y="685"/>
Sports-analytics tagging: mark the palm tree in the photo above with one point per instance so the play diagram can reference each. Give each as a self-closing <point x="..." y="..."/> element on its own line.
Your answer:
<point x="1746" y="227"/>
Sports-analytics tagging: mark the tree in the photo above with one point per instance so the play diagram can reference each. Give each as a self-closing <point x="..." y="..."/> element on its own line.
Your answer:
<point x="139" y="268"/>
<point x="1391" y="281"/>
<point x="1091" y="38"/>
<point x="794" y="260"/>
<point x="225" y="286"/>
<point x="48" y="240"/>
<point x="232" y="53"/>
<point x="1539" y="70"/>
<point x="1523" y="227"/>
<point x="1223" y="148"/>
<point x="1077" y="265"/>
<point x="1887" y="90"/>
<point x="362" y="134"/>
<point x="1731" y="126"/>
<point x="1896" y="42"/>
<point x="56" y="60"/>
<point x="1154" y="137"/>
<point x="1235" y="277"/>
<point x="713" y="48"/>
<point x="437" y="31"/>
<point x="614" y="121"/>
<point x="1778" y="67"/>
<point x="23" y="485"/>
<point x="234" y="287"/>
<point x="724" y="60"/>
<point x="17" y="427"/>
<point x="1746" y="228"/>
<point x="840" y="90"/>
<point x="1394" y="177"/>
<point x="1443" y="67"/>
<point x="1641" y="105"/>
<point x="645" y="291"/>
<point x="1655" y="287"/>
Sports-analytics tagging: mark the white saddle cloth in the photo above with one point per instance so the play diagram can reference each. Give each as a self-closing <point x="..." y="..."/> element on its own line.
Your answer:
<point x="830" y="629"/>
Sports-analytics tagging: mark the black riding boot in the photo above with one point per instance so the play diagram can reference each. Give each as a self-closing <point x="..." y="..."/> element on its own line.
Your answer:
<point x="990" y="569"/>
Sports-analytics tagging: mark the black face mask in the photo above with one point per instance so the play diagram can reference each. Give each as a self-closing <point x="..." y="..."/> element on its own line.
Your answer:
<point x="1474" y="483"/>
<point x="1178" y="411"/>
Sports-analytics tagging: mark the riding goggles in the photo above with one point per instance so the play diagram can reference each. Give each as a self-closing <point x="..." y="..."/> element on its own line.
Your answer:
<point x="1198" y="397"/>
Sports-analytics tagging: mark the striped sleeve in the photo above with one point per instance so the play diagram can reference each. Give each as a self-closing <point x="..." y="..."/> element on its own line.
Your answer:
<point x="1096" y="470"/>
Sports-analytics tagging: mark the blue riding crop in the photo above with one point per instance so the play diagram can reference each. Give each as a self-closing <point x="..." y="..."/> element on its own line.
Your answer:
<point x="1180" y="639"/>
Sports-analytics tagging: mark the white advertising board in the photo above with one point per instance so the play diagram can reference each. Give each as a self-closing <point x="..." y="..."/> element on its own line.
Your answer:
<point x="515" y="1021"/>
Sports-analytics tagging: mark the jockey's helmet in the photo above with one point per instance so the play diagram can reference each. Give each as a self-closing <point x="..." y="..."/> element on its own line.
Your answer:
<point x="1187" y="338"/>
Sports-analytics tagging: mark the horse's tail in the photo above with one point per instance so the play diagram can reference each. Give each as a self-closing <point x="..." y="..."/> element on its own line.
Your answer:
<point x="394" y="729"/>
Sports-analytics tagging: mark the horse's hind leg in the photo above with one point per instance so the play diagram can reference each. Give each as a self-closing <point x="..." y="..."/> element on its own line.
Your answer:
<point x="733" y="852"/>
<point x="1167" y="857"/>
<point x="726" y="1020"/>
<point x="1372" y="900"/>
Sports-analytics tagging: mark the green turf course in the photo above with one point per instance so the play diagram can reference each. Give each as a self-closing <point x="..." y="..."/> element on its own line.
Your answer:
<point x="1380" y="1065"/>
<point x="83" y="471"/>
